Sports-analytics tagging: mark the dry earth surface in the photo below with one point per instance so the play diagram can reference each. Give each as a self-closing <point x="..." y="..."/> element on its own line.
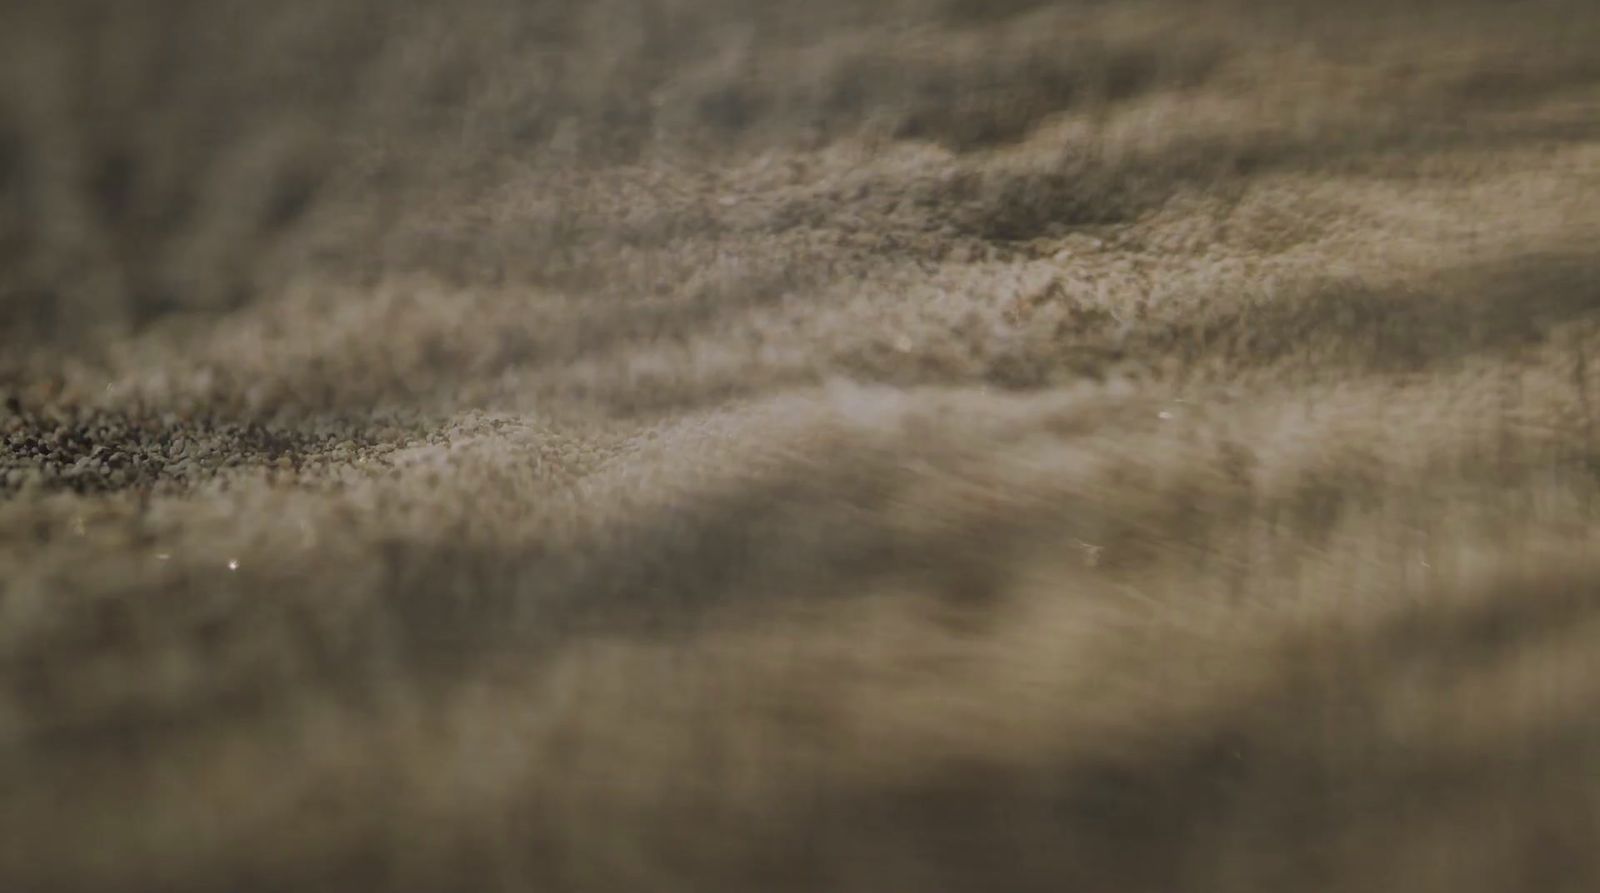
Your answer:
<point x="696" y="445"/>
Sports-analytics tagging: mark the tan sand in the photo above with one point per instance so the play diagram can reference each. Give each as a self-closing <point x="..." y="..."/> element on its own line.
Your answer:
<point x="697" y="445"/>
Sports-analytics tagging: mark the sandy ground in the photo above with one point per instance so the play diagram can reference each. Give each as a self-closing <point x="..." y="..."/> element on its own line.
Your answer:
<point x="696" y="445"/>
